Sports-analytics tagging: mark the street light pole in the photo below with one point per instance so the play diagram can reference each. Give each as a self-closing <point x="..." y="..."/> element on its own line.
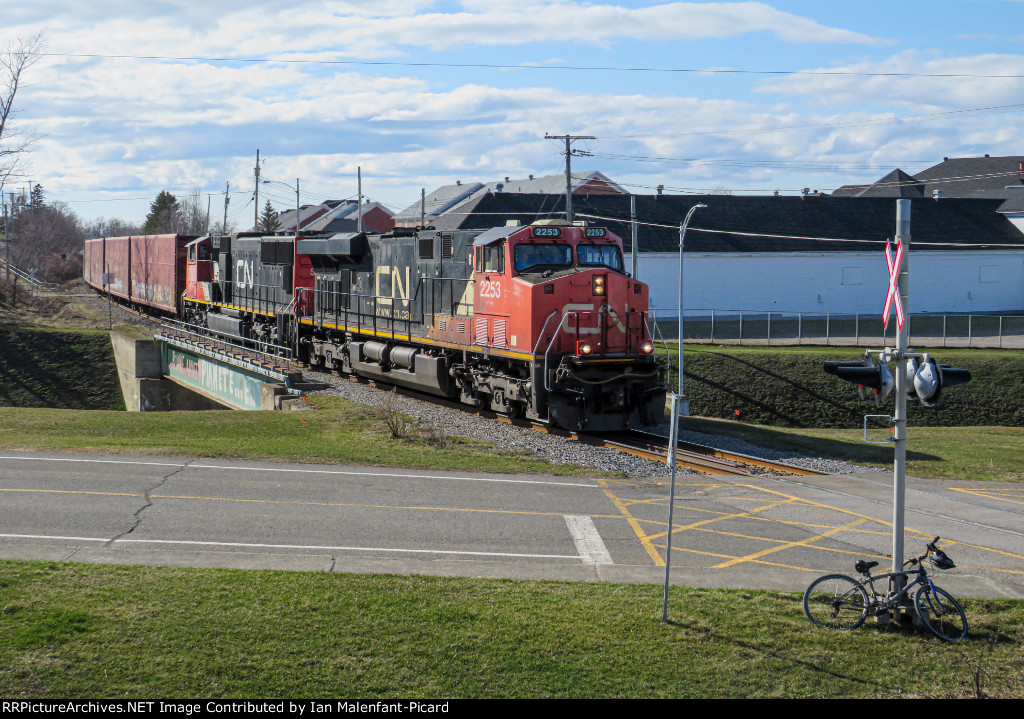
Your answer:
<point x="685" y="404"/>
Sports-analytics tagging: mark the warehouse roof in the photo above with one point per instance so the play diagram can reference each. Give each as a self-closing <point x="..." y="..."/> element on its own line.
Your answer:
<point x="739" y="223"/>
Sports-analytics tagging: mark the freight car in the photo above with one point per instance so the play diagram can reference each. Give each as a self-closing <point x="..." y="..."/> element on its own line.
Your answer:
<point x="143" y="271"/>
<point x="538" y="321"/>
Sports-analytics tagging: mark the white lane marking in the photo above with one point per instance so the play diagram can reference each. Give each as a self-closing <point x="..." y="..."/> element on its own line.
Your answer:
<point x="253" y="545"/>
<point x="306" y="471"/>
<point x="588" y="542"/>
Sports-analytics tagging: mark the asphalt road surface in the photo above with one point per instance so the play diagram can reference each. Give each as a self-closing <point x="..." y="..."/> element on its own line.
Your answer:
<point x="773" y="533"/>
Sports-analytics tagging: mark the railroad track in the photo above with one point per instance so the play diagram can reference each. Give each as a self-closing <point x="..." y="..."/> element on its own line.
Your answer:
<point x="698" y="457"/>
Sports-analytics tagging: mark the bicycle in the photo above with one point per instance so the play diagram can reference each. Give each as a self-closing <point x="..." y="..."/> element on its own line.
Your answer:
<point x="837" y="601"/>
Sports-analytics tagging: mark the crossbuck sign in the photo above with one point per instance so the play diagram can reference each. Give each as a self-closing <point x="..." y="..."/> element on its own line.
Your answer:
<point x="894" y="292"/>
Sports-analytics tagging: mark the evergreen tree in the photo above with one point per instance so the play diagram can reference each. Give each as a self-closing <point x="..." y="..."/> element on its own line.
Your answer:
<point x="163" y="214"/>
<point x="37" y="196"/>
<point x="268" y="220"/>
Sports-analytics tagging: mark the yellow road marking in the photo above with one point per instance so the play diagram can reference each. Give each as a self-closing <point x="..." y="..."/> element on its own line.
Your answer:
<point x="990" y="494"/>
<point x="641" y="535"/>
<point x="694" y="525"/>
<point x="788" y="545"/>
<point x="308" y="503"/>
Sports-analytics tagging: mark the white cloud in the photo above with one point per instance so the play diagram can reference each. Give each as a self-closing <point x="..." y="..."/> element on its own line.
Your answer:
<point x="365" y="30"/>
<point x="873" y="86"/>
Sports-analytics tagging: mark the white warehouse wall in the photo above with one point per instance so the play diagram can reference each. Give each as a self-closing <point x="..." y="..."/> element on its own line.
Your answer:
<point x="957" y="281"/>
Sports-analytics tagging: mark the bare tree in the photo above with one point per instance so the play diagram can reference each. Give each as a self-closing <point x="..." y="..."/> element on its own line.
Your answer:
<point x="193" y="217"/>
<point x="15" y="60"/>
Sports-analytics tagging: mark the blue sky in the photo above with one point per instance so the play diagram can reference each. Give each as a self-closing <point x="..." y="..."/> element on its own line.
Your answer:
<point x="115" y="131"/>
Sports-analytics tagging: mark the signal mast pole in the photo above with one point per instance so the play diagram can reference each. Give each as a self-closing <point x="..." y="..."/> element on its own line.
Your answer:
<point x="903" y="365"/>
<point x="568" y="167"/>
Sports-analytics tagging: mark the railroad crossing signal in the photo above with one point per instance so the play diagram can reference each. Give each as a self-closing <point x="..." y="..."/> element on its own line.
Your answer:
<point x="931" y="377"/>
<point x="866" y="375"/>
<point x="894" y="291"/>
<point x="924" y="379"/>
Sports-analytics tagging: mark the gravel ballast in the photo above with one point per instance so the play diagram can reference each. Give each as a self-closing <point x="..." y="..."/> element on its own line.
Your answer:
<point x="555" y="449"/>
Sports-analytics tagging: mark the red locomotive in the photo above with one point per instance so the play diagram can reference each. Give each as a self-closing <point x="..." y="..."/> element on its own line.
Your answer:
<point x="538" y="321"/>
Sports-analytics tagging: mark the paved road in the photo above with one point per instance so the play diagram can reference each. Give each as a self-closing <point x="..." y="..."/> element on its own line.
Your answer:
<point x="764" y="533"/>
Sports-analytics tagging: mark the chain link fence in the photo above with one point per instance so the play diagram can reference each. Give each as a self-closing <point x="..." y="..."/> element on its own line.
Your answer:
<point x="739" y="327"/>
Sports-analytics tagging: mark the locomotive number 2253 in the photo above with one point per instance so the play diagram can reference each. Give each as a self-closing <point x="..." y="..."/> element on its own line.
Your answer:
<point x="490" y="289"/>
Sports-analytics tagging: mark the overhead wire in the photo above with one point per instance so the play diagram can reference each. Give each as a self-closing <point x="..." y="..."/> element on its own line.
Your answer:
<point x="500" y="66"/>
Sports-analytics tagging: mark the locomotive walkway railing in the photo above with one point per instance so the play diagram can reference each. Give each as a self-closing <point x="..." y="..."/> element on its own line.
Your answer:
<point x="383" y="314"/>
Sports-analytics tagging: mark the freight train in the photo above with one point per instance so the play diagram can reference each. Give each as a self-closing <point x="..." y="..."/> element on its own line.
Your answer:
<point x="538" y="321"/>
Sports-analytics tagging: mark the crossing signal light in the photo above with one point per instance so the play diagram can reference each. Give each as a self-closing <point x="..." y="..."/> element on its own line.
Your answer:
<point x="867" y="375"/>
<point x="931" y="377"/>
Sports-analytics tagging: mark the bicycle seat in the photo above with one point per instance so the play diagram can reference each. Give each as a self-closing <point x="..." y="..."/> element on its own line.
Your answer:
<point x="864" y="567"/>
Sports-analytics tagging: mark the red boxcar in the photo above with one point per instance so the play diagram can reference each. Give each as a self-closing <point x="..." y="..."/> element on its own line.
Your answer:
<point x="147" y="270"/>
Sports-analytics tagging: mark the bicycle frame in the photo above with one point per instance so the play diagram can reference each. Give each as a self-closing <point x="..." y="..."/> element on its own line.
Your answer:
<point x="889" y="600"/>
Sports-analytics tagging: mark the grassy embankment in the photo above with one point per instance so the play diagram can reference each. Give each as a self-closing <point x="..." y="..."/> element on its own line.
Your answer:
<point x="75" y="631"/>
<point x="786" y="400"/>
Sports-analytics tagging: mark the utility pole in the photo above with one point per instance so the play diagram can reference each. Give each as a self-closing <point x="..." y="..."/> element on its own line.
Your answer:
<point x="359" y="199"/>
<point x="227" y="199"/>
<point x="298" y="225"/>
<point x="423" y="206"/>
<point x="632" y="220"/>
<point x="568" y="167"/>
<point x="256" y="206"/>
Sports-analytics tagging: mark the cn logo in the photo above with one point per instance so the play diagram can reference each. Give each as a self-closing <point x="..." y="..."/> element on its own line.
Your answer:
<point x="244" y="274"/>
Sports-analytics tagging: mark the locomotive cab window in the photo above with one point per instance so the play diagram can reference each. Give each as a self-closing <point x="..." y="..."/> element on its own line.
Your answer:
<point x="600" y="256"/>
<point x="491" y="258"/>
<point x="531" y="256"/>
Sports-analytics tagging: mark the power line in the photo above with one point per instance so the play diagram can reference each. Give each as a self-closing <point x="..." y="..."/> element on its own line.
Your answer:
<point x="497" y="66"/>
<point x="994" y="110"/>
<point x="917" y="243"/>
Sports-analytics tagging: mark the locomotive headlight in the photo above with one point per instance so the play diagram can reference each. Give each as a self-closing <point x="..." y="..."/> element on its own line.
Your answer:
<point x="598" y="284"/>
<point x="584" y="349"/>
<point x="647" y="348"/>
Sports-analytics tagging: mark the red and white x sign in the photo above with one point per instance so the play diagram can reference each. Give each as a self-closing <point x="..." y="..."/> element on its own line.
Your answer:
<point x="894" y="291"/>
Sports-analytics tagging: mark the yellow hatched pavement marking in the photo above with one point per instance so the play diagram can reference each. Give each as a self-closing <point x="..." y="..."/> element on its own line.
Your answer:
<point x="789" y="545"/>
<point x="738" y="515"/>
<point x="634" y="523"/>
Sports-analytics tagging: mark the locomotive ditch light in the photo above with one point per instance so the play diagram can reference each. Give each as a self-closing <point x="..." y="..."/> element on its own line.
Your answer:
<point x="598" y="284"/>
<point x="647" y="348"/>
<point x="866" y="375"/>
<point x="931" y="377"/>
<point x="583" y="349"/>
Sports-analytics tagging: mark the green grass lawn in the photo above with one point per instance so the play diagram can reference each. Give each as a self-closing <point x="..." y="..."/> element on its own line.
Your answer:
<point x="79" y="631"/>
<point x="337" y="432"/>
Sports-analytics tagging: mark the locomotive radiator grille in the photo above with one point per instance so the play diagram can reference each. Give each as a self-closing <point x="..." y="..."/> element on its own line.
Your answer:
<point x="481" y="330"/>
<point x="499" y="333"/>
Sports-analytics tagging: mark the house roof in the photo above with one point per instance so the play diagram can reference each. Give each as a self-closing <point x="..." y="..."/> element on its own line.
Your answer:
<point x="325" y="216"/>
<point x="738" y="223"/>
<point x="896" y="184"/>
<point x="448" y="198"/>
<point x="953" y="177"/>
<point x="964" y="176"/>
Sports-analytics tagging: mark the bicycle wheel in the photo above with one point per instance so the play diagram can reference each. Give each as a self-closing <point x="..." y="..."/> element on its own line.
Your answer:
<point x="836" y="601"/>
<point x="941" y="613"/>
